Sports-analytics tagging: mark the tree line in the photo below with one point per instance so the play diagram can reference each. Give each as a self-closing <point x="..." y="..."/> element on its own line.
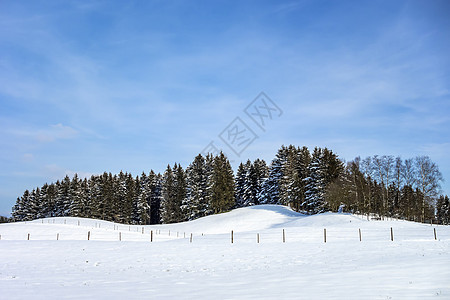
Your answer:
<point x="308" y="182"/>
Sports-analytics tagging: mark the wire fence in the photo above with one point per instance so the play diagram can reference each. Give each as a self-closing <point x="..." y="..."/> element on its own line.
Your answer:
<point x="76" y="229"/>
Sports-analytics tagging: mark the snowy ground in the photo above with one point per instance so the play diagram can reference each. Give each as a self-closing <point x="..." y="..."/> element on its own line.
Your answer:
<point x="413" y="266"/>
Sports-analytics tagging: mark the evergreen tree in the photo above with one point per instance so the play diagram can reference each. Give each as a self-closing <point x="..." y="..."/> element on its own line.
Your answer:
<point x="143" y="200"/>
<point x="315" y="187"/>
<point x="63" y="197"/>
<point x="180" y="193"/>
<point x="222" y="198"/>
<point x="209" y="167"/>
<point x="19" y="211"/>
<point x="446" y="211"/>
<point x="196" y="204"/>
<point x="76" y="202"/>
<point x="155" y="197"/>
<point x="270" y="190"/>
<point x="86" y="199"/>
<point x="32" y="205"/>
<point x="95" y="193"/>
<point x="129" y="200"/>
<point x="250" y="191"/>
<point x="240" y="184"/>
<point x="168" y="206"/>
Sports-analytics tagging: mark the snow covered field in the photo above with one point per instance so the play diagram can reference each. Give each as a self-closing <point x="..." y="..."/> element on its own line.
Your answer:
<point x="413" y="266"/>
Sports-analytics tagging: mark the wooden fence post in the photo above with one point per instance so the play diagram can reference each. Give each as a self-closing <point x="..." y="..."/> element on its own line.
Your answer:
<point x="392" y="235"/>
<point x="257" y="238"/>
<point x="57" y="236"/>
<point x="359" y="234"/>
<point x="151" y="236"/>
<point x="324" y="235"/>
<point x="184" y="235"/>
<point x="142" y="230"/>
<point x="284" y="237"/>
<point x="78" y="222"/>
<point x="232" y="237"/>
<point x="89" y="235"/>
<point x="120" y="236"/>
<point x="191" y="238"/>
<point x="28" y="236"/>
<point x="435" y="237"/>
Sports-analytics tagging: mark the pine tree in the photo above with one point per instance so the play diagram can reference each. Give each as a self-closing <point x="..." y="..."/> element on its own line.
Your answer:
<point x="76" y="202"/>
<point x="209" y="168"/>
<point x="262" y="172"/>
<point x="270" y="190"/>
<point x="31" y="210"/>
<point x="143" y="200"/>
<point x="95" y="188"/>
<point x="63" y="197"/>
<point x="156" y="197"/>
<point x="169" y="197"/>
<point x="20" y="208"/>
<point x="446" y="211"/>
<point x="196" y="204"/>
<point x="250" y="185"/>
<point x="315" y="183"/>
<point x="240" y="184"/>
<point x="295" y="171"/>
<point x="440" y="209"/>
<point x="222" y="198"/>
<point x="129" y="200"/>
<point x="180" y="194"/>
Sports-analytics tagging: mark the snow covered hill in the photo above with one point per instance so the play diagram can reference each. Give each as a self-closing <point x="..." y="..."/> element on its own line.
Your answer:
<point x="276" y="253"/>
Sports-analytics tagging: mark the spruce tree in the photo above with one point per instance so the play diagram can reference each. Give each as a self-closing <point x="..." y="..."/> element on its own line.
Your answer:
<point x="209" y="167"/>
<point x="270" y="190"/>
<point x="20" y="208"/>
<point x="240" y="184"/>
<point x="180" y="193"/>
<point x="250" y="185"/>
<point x="222" y="198"/>
<point x="168" y="197"/>
<point x="76" y="201"/>
<point x="315" y="187"/>
<point x="196" y="204"/>
<point x="143" y="200"/>
<point x="156" y="198"/>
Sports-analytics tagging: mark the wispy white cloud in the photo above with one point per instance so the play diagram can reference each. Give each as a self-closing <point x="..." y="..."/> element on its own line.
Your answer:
<point x="49" y="134"/>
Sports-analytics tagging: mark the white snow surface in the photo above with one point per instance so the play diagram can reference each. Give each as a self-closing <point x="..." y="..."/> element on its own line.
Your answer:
<point x="413" y="266"/>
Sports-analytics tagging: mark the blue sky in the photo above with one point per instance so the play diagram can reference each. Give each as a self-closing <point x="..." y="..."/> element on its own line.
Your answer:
<point x="93" y="86"/>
